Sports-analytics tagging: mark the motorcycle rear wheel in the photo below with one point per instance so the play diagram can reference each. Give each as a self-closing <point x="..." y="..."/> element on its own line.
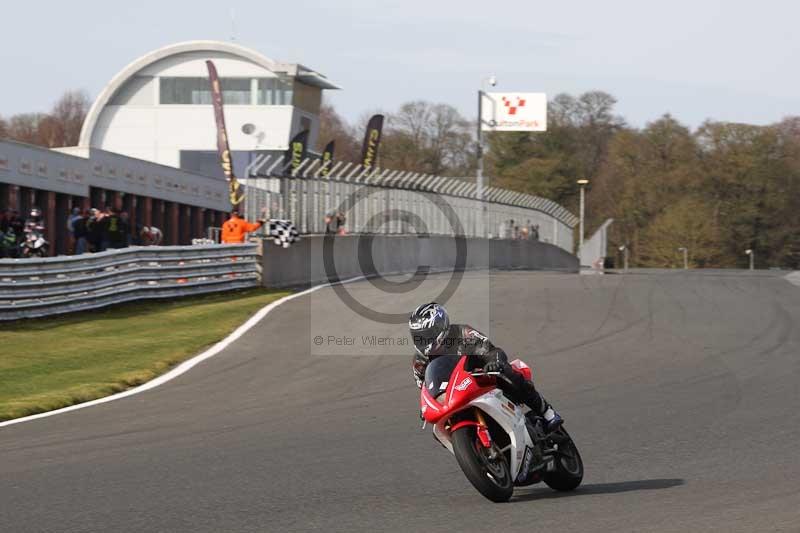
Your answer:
<point x="569" y="465"/>
<point x="491" y="477"/>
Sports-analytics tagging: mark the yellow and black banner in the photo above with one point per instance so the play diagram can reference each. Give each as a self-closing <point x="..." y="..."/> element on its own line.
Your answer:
<point x="296" y="152"/>
<point x="235" y="190"/>
<point x="372" y="141"/>
<point x="327" y="159"/>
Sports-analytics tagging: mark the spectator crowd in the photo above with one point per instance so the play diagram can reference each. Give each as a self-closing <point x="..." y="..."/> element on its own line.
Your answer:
<point x="88" y="230"/>
<point x="510" y="230"/>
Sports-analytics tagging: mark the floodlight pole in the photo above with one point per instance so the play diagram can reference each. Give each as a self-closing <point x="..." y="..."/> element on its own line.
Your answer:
<point x="484" y="220"/>
<point x="685" y="257"/>
<point x="479" y="177"/>
<point x="624" y="250"/>
<point x="583" y="183"/>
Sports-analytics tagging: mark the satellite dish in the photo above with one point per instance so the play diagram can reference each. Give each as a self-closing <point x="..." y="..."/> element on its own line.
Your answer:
<point x="248" y="128"/>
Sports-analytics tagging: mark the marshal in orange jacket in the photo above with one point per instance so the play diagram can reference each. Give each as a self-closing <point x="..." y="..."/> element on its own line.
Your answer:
<point x="235" y="229"/>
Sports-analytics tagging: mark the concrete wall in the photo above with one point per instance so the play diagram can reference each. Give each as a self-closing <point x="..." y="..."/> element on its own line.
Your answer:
<point x="594" y="250"/>
<point x="303" y="263"/>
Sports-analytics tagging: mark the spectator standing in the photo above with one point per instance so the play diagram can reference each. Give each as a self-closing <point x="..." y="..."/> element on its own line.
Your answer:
<point x="501" y="231"/>
<point x="330" y="222"/>
<point x="73" y="216"/>
<point x="125" y="217"/>
<point x="17" y="225"/>
<point x="93" y="230"/>
<point x="535" y="232"/>
<point x="235" y="229"/>
<point x="81" y="232"/>
<point x="340" y="220"/>
<point x="113" y="230"/>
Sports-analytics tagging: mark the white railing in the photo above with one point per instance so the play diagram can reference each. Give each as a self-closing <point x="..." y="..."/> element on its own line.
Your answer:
<point x="40" y="287"/>
<point x="394" y="202"/>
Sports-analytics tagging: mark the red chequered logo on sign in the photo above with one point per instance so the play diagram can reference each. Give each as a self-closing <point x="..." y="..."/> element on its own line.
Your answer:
<point x="513" y="106"/>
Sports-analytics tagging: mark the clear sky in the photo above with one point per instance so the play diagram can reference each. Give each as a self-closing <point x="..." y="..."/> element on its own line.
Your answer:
<point x="727" y="60"/>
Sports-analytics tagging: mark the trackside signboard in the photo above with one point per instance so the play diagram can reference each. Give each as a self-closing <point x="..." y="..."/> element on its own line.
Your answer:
<point x="514" y="112"/>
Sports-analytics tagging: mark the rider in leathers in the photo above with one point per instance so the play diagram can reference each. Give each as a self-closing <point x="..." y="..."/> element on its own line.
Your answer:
<point x="433" y="336"/>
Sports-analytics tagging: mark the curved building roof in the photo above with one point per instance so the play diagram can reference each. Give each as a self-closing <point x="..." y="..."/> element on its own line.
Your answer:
<point x="301" y="72"/>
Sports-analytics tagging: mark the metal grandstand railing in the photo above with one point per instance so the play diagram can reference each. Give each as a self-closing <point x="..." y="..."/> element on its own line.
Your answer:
<point x="390" y="201"/>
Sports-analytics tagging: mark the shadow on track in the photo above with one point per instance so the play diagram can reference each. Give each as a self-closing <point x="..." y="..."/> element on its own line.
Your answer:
<point x="601" y="488"/>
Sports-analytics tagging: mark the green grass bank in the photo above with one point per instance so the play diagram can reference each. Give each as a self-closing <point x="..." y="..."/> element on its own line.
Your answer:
<point x="50" y="363"/>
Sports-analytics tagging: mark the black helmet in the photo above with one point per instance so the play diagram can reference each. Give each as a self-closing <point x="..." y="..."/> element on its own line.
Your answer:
<point x="428" y="325"/>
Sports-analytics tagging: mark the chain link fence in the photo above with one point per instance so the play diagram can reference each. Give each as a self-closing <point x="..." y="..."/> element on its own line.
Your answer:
<point x="393" y="202"/>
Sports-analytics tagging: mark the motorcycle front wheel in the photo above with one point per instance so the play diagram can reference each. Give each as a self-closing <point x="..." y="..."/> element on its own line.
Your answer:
<point x="486" y="468"/>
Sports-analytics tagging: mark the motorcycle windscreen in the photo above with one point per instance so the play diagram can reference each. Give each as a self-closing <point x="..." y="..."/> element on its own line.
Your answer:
<point x="438" y="373"/>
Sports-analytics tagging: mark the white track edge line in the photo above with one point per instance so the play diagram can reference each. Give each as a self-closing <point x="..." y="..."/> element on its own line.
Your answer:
<point x="184" y="366"/>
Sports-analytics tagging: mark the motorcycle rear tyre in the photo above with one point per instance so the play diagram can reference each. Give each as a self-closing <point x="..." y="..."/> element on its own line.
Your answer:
<point x="562" y="479"/>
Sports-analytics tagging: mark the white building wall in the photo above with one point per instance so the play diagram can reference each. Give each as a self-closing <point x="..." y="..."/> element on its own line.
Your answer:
<point x="144" y="129"/>
<point x="159" y="133"/>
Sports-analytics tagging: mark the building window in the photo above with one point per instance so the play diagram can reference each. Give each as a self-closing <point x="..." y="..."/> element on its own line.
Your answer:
<point x="275" y="91"/>
<point x="197" y="91"/>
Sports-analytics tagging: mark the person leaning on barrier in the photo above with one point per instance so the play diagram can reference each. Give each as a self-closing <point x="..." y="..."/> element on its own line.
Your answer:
<point x="113" y="230"/>
<point x="235" y="229"/>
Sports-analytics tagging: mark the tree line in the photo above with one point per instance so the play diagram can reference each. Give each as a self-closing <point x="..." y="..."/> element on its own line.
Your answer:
<point x="61" y="126"/>
<point x="717" y="190"/>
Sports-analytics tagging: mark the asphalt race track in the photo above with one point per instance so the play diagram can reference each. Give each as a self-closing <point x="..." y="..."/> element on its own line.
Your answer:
<point x="682" y="390"/>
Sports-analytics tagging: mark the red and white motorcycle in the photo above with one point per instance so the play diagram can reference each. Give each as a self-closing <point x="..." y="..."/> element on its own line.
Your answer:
<point x="497" y="443"/>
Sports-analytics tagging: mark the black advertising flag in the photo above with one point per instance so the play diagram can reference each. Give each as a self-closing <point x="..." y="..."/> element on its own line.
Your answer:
<point x="327" y="159"/>
<point x="235" y="190"/>
<point x="372" y="141"/>
<point x="296" y="151"/>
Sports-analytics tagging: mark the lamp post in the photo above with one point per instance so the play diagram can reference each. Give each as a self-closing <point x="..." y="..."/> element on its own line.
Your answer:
<point x="479" y="178"/>
<point x="625" y="251"/>
<point x="749" y="252"/>
<point x="685" y="257"/>
<point x="582" y="183"/>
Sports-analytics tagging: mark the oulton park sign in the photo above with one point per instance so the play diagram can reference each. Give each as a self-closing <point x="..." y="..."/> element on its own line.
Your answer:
<point x="514" y="112"/>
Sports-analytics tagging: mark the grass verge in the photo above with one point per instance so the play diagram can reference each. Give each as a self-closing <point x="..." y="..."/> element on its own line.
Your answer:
<point x="50" y="363"/>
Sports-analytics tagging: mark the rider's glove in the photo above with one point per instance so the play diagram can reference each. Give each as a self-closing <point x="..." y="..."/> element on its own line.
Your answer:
<point x="492" y="366"/>
<point x="418" y="377"/>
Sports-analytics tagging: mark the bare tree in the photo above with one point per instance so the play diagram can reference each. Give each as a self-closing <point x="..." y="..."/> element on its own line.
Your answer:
<point x="60" y="127"/>
<point x="332" y="127"/>
<point x="68" y="114"/>
<point x="427" y="137"/>
<point x="25" y="128"/>
<point x="3" y="128"/>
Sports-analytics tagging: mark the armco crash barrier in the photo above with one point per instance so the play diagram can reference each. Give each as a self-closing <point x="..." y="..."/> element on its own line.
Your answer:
<point x="304" y="262"/>
<point x="53" y="285"/>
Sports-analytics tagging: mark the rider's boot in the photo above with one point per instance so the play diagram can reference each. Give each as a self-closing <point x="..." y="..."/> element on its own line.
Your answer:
<point x="527" y="393"/>
<point x="541" y="407"/>
<point x="552" y="419"/>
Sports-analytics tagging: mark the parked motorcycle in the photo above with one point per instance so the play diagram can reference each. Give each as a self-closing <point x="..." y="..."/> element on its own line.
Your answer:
<point x="497" y="443"/>
<point x="34" y="244"/>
